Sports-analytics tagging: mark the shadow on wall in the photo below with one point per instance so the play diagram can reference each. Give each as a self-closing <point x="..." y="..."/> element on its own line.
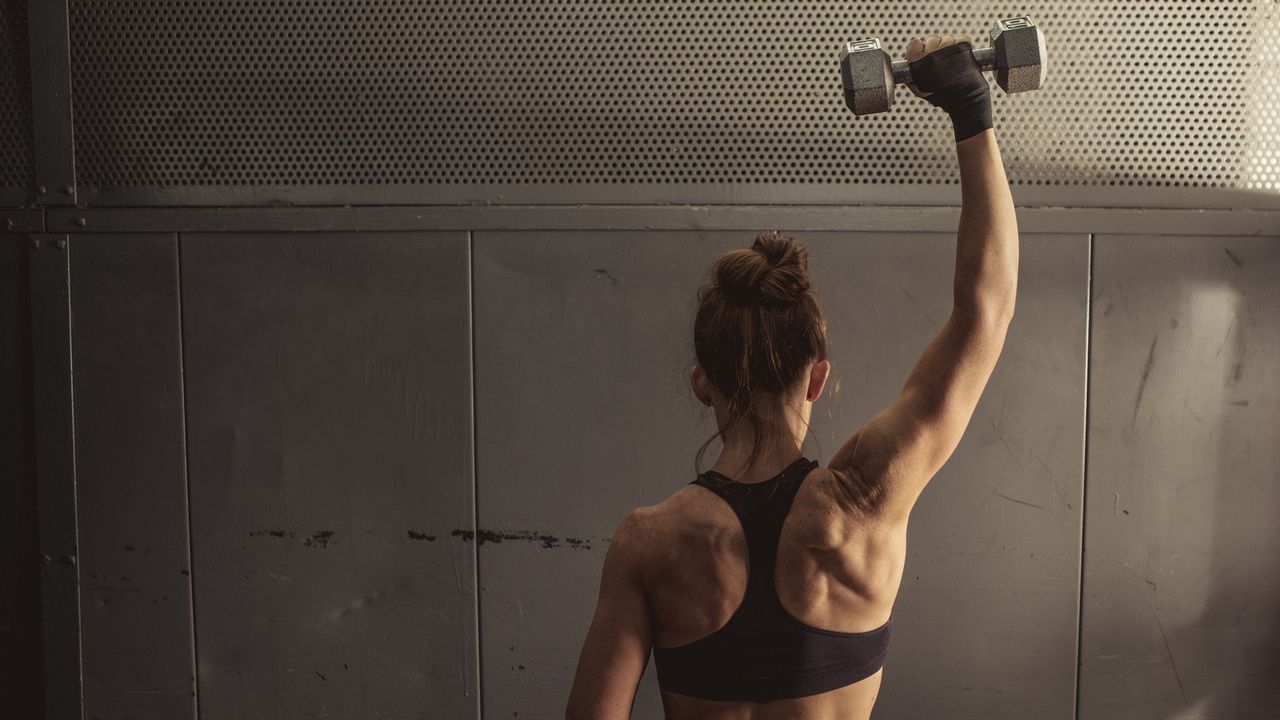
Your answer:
<point x="21" y="632"/>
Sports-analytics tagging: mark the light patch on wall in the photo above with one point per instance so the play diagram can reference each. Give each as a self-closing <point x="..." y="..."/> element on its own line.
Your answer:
<point x="1203" y="355"/>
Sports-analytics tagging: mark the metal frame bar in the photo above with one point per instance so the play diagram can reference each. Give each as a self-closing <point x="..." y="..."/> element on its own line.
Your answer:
<point x="56" y="473"/>
<point x="21" y="221"/>
<point x="186" y="478"/>
<point x="651" y="194"/>
<point x="51" y="124"/>
<point x="478" y="666"/>
<point x="637" y="217"/>
<point x="1084" y="472"/>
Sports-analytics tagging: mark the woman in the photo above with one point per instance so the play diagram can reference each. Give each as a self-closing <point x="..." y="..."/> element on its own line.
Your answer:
<point x="765" y="587"/>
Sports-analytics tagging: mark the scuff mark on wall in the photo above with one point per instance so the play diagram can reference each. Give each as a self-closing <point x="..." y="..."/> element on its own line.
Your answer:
<point x="548" y="540"/>
<point x="605" y="273"/>
<point x="320" y="539"/>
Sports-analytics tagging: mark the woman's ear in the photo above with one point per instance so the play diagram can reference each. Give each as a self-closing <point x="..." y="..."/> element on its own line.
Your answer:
<point x="817" y="380"/>
<point x="698" y="381"/>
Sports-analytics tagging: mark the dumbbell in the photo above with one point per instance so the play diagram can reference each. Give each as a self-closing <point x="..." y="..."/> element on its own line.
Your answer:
<point x="1016" y="53"/>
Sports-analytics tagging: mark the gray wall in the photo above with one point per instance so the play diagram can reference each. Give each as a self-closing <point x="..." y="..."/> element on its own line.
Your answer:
<point x="339" y="434"/>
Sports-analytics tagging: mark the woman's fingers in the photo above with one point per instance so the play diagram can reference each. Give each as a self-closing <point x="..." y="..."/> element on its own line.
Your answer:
<point x="918" y="48"/>
<point x="915" y="50"/>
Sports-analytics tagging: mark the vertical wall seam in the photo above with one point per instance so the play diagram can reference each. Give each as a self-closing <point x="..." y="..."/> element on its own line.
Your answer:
<point x="475" y="460"/>
<point x="186" y="468"/>
<point x="75" y="484"/>
<point x="1084" y="470"/>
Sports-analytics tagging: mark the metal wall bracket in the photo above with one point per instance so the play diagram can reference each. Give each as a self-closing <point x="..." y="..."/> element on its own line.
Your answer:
<point x="52" y="127"/>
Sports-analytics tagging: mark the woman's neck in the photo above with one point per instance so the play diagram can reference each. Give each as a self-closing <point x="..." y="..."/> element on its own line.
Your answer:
<point x="732" y="462"/>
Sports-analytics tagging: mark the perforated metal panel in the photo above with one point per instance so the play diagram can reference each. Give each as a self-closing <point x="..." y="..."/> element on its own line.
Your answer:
<point x="15" y="97"/>
<point x="446" y="93"/>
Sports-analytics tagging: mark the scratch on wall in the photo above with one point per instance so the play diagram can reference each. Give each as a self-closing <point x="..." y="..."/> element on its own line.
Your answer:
<point x="1142" y="384"/>
<point x="1020" y="502"/>
<point x="918" y="307"/>
<point x="1168" y="650"/>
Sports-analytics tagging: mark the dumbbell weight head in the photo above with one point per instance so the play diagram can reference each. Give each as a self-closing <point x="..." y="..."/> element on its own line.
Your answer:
<point x="867" y="76"/>
<point x="1018" y="47"/>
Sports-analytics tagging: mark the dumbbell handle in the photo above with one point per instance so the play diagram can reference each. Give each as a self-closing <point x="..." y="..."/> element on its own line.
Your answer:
<point x="986" y="58"/>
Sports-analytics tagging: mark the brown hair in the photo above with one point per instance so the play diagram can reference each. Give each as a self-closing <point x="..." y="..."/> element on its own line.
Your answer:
<point x="757" y="328"/>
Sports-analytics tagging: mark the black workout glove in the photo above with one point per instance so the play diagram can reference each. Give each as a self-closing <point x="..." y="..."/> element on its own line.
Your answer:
<point x="957" y="86"/>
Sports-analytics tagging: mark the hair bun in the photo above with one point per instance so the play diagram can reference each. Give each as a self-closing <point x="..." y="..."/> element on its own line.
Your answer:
<point x="774" y="271"/>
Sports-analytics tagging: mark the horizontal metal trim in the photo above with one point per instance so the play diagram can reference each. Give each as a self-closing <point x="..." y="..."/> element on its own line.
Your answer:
<point x="21" y="221"/>
<point x="638" y="217"/>
<point x="914" y="194"/>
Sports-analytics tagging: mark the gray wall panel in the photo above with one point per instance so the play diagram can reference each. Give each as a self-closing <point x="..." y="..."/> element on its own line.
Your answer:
<point x="136" y="627"/>
<point x="329" y="382"/>
<point x="583" y="411"/>
<point x="581" y="414"/>
<point x="1182" y="601"/>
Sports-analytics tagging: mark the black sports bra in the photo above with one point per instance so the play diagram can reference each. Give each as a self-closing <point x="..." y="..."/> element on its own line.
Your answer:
<point x="764" y="652"/>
